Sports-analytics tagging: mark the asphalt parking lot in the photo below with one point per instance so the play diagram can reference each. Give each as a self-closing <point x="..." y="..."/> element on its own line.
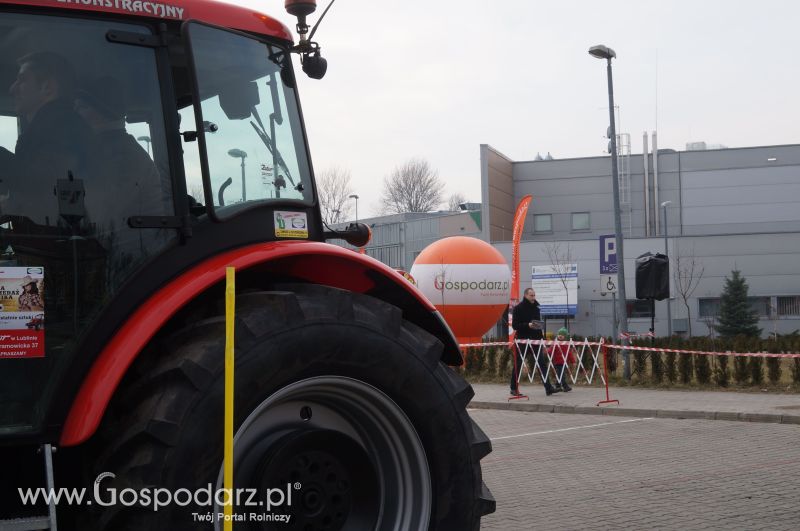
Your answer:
<point x="555" y="471"/>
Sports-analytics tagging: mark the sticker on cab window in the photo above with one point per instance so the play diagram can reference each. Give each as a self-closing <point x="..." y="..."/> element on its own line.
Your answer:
<point x="22" y="312"/>
<point x="291" y="224"/>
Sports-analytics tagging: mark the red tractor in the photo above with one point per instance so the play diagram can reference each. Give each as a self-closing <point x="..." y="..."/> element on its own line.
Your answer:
<point x="36" y="322"/>
<point x="145" y="146"/>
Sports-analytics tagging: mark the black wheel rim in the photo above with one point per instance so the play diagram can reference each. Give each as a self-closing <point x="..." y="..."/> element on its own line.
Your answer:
<point x="351" y="450"/>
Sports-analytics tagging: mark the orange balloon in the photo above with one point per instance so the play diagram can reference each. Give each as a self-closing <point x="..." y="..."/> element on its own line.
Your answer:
<point x="467" y="280"/>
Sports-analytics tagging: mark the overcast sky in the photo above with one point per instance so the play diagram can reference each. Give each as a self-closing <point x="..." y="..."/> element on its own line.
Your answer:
<point x="437" y="78"/>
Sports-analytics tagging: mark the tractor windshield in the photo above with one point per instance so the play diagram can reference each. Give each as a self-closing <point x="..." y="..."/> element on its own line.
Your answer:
<point x="252" y="136"/>
<point x="82" y="151"/>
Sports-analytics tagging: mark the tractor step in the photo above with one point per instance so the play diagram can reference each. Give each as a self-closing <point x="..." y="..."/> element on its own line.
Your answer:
<point x="36" y="523"/>
<point x="25" y="524"/>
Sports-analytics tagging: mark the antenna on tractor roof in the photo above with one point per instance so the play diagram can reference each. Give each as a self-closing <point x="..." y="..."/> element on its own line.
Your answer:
<point x="314" y="65"/>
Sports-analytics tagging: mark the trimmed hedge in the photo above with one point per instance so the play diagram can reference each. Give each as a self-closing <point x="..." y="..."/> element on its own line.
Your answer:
<point x="493" y="364"/>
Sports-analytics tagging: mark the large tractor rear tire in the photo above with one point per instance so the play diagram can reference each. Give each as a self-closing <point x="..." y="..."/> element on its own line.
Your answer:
<point x="344" y="414"/>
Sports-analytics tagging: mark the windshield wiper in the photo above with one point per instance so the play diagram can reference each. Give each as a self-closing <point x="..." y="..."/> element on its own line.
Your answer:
<point x="265" y="138"/>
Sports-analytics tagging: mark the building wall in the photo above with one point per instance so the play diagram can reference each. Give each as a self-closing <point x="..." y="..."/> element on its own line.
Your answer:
<point x="399" y="238"/>
<point x="711" y="192"/>
<point x="729" y="209"/>
<point x="769" y="262"/>
<point x="740" y="190"/>
<point x="498" y="193"/>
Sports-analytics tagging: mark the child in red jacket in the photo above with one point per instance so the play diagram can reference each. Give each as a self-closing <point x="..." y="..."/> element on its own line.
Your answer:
<point x="561" y="354"/>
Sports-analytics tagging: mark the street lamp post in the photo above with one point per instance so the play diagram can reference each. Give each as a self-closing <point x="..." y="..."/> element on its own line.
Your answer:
<point x="145" y="138"/>
<point x="355" y="196"/>
<point x="666" y="252"/>
<point x="239" y="154"/>
<point x="604" y="52"/>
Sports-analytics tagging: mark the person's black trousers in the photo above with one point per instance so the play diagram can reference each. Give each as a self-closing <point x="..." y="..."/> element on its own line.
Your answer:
<point x="518" y="366"/>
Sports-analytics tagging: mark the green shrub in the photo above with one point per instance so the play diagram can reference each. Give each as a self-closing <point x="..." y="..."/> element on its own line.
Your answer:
<point x="671" y="367"/>
<point x="656" y="367"/>
<point x="721" y="372"/>
<point x="506" y="362"/>
<point x="640" y="364"/>
<point x="489" y="366"/>
<point x="702" y="369"/>
<point x="740" y="372"/>
<point x="495" y="363"/>
<point x="611" y="358"/>
<point x="685" y="367"/>
<point x="472" y="361"/>
<point x="774" y="370"/>
<point x="586" y="360"/>
<point x="757" y="369"/>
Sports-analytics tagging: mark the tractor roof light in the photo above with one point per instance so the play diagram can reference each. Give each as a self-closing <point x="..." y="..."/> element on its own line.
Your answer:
<point x="301" y="9"/>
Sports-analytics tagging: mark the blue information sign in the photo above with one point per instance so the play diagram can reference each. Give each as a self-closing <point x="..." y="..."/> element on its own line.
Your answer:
<point x="608" y="254"/>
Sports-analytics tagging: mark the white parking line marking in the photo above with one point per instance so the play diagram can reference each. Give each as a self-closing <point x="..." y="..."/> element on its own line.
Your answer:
<point x="569" y="429"/>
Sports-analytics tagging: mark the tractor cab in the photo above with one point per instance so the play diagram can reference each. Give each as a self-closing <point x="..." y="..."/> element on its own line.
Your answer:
<point x="130" y="148"/>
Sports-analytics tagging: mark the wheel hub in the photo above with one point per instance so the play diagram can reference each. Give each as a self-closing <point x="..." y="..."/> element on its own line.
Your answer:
<point x="331" y="475"/>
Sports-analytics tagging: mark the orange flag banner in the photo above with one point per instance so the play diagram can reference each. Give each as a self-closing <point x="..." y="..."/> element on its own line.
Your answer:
<point x="519" y="224"/>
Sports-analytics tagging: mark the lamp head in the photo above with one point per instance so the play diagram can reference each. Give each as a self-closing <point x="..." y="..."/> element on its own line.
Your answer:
<point x="602" y="52"/>
<point x="237" y="153"/>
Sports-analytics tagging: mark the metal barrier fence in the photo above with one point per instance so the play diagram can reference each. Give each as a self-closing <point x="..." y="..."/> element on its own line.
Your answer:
<point x="538" y="350"/>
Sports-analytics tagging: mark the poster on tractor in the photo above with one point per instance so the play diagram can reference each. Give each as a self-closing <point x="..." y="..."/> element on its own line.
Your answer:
<point x="22" y="312"/>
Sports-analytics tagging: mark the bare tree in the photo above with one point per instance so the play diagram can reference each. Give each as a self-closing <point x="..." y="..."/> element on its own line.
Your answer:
<point x="453" y="204"/>
<point x="687" y="272"/>
<point x="561" y="260"/>
<point x="412" y="187"/>
<point x="773" y="316"/>
<point x="334" y="188"/>
<point x="711" y="323"/>
<point x="196" y="191"/>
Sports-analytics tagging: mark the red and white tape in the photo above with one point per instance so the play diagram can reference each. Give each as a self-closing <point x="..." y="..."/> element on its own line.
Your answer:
<point x="634" y="335"/>
<point x="707" y="353"/>
<point x="646" y="349"/>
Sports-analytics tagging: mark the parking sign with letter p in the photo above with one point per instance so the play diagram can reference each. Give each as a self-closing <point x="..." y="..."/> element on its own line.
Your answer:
<point x="608" y="254"/>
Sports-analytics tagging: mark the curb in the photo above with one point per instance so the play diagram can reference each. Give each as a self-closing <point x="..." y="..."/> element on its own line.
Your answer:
<point x="533" y="407"/>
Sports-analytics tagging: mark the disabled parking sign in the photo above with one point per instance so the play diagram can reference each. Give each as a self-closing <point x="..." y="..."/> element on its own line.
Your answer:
<point x="608" y="264"/>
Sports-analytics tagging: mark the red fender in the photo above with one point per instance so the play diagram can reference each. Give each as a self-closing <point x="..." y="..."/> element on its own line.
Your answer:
<point x="315" y="262"/>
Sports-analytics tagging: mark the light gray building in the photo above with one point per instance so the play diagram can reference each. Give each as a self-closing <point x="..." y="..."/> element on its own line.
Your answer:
<point x="725" y="209"/>
<point x="398" y="239"/>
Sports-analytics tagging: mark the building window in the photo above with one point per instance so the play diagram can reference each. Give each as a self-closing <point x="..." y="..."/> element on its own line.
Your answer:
<point x="708" y="307"/>
<point x="543" y="223"/>
<point x="760" y="305"/>
<point x="789" y="305"/>
<point x="638" y="308"/>
<point x="580" y="221"/>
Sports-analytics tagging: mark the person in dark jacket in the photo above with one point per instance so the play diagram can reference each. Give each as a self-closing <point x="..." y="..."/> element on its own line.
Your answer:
<point x="52" y="140"/>
<point x="118" y="167"/>
<point x="525" y="321"/>
<point x="118" y="162"/>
